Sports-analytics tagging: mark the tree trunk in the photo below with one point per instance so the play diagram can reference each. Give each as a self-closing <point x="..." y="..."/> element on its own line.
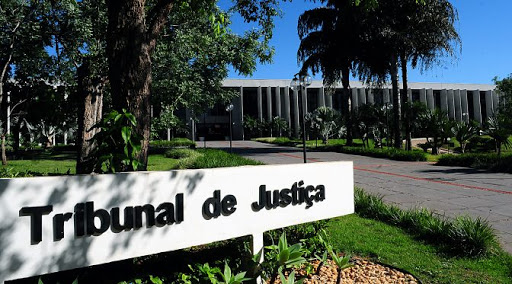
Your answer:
<point x="406" y="106"/>
<point x="346" y="104"/>
<point x="4" y="156"/>
<point x="396" y="103"/>
<point x="131" y="39"/>
<point x="435" y="149"/>
<point x="16" y="137"/>
<point x="89" y="113"/>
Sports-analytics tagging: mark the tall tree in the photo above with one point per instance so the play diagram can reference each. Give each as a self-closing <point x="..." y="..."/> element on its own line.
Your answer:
<point x="133" y="29"/>
<point x="190" y="62"/>
<point x="330" y="43"/>
<point x="22" y="36"/>
<point x="425" y="32"/>
<point x="78" y="40"/>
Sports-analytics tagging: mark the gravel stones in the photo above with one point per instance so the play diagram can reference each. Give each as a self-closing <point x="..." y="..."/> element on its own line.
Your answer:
<point x="362" y="271"/>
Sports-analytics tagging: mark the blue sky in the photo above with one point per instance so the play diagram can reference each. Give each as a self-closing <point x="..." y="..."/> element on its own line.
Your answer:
<point x="485" y="27"/>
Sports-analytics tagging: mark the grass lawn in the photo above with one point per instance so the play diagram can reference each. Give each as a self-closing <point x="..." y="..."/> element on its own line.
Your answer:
<point x="46" y="163"/>
<point x="391" y="245"/>
<point x="353" y="234"/>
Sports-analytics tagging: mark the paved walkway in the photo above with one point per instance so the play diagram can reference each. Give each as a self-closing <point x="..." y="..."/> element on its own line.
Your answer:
<point x="447" y="190"/>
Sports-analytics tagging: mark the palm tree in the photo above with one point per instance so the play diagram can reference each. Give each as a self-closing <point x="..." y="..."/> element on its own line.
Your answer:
<point x="430" y="34"/>
<point x="464" y="131"/>
<point x="498" y="130"/>
<point x="403" y="31"/>
<point x="436" y="125"/>
<point x="330" y="38"/>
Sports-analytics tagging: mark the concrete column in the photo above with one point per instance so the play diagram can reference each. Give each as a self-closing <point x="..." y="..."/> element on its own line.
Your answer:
<point x="386" y="97"/>
<point x="362" y="96"/>
<point x="488" y="104"/>
<point x="328" y="98"/>
<point x="495" y="100"/>
<point x="278" y="101"/>
<point x="269" y="103"/>
<point x="260" y="104"/>
<point x="477" y="108"/>
<point x="431" y="103"/>
<point x="444" y="100"/>
<point x="423" y="96"/>
<point x="464" y="105"/>
<point x="287" y="106"/>
<point x="451" y="104"/>
<point x="409" y="95"/>
<point x="321" y="97"/>
<point x="65" y="137"/>
<point x="355" y="99"/>
<point x="238" y="116"/>
<point x="295" y="105"/>
<point x="371" y="99"/>
<point x="458" y="105"/>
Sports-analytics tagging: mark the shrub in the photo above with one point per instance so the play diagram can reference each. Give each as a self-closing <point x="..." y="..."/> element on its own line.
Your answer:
<point x="212" y="158"/>
<point x="489" y="161"/>
<point x="480" y="144"/>
<point x="473" y="236"/>
<point x="175" y="142"/>
<point x="11" y="173"/>
<point x="463" y="235"/>
<point x="282" y="141"/>
<point x="390" y="153"/>
<point x="61" y="147"/>
<point x="179" y="153"/>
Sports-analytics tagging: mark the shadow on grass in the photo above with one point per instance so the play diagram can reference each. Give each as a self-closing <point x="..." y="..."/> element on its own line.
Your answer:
<point x="41" y="154"/>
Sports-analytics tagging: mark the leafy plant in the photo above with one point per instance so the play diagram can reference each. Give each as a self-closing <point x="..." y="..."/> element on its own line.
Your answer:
<point x="464" y="236"/>
<point x="291" y="278"/>
<point x="322" y="236"/>
<point x="498" y="129"/>
<point x="118" y="143"/>
<point x="179" y="153"/>
<point x="436" y="125"/>
<point x="282" y="256"/>
<point x="322" y="122"/>
<point x="230" y="278"/>
<point x="464" y="131"/>
<point x="342" y="262"/>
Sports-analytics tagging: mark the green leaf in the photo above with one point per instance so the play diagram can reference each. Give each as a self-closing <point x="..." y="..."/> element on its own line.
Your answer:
<point x="75" y="281"/>
<point x="131" y="118"/>
<point x="126" y="151"/>
<point x="296" y="261"/>
<point x="227" y="273"/>
<point x="39" y="281"/>
<point x="126" y="133"/>
<point x="284" y="256"/>
<point x="117" y="117"/>
<point x="282" y="242"/>
<point x="295" y="248"/>
<point x="135" y="165"/>
<point x="155" y="279"/>
<point x="283" y="279"/>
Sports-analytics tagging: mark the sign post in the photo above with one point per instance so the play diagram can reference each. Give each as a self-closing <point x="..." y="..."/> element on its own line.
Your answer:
<point x="50" y="224"/>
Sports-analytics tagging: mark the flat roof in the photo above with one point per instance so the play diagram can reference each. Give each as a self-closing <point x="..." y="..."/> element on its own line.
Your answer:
<point x="355" y="84"/>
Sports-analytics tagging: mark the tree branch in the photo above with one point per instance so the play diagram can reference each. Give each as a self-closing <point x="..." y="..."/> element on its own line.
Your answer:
<point x="156" y="18"/>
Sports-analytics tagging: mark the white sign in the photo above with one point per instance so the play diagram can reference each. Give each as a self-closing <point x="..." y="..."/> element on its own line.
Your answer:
<point x="50" y="224"/>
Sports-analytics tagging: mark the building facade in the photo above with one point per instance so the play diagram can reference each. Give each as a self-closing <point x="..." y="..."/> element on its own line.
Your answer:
<point x="265" y="99"/>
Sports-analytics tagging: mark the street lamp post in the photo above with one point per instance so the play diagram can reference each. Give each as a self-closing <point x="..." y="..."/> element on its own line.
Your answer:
<point x="229" y="108"/>
<point x="299" y="82"/>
